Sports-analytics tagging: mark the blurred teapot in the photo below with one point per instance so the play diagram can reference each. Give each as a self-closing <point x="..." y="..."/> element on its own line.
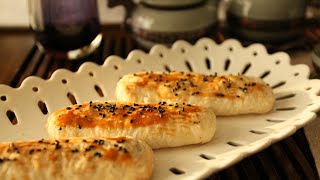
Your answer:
<point x="271" y="21"/>
<point x="165" y="21"/>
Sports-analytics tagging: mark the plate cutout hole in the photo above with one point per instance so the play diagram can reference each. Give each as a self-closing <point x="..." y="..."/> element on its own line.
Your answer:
<point x="279" y="84"/>
<point x="115" y="67"/>
<point x="64" y="81"/>
<point x="35" y="89"/>
<point x="91" y="74"/>
<point x="189" y="66"/>
<point x="234" y="144"/>
<point x="227" y="64"/>
<point x="12" y="117"/>
<point x="246" y="68"/>
<point x="160" y="55"/>
<point x="296" y="74"/>
<point x="265" y="74"/>
<point x="257" y="132"/>
<point x="286" y="97"/>
<point x="43" y="107"/>
<point x="206" y="157"/>
<point x="275" y="120"/>
<point x="166" y="67"/>
<point x="98" y="90"/>
<point x="208" y="63"/>
<point x="71" y="98"/>
<point x="286" y="109"/>
<point x="139" y="61"/>
<point x="3" y="98"/>
<point x="176" y="171"/>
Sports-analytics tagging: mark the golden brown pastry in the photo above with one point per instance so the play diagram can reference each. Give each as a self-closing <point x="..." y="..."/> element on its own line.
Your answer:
<point x="160" y="125"/>
<point x="226" y="95"/>
<point x="78" y="158"/>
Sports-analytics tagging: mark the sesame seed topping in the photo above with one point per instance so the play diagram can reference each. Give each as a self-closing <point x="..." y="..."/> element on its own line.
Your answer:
<point x="121" y="141"/>
<point x="31" y="151"/>
<point x="97" y="154"/>
<point x="74" y="150"/>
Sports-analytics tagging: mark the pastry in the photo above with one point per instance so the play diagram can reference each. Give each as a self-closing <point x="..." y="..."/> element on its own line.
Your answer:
<point x="226" y="95"/>
<point x="76" y="158"/>
<point x="159" y="125"/>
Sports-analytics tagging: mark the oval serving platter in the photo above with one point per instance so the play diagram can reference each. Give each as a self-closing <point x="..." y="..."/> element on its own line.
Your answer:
<point x="236" y="138"/>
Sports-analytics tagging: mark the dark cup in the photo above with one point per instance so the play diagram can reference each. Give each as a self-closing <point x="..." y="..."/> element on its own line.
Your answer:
<point x="66" y="28"/>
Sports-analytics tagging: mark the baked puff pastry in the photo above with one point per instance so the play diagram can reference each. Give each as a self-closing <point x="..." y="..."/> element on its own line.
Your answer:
<point x="77" y="158"/>
<point x="159" y="125"/>
<point x="226" y="95"/>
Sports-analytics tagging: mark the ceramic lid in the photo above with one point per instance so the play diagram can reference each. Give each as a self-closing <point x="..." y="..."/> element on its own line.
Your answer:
<point x="171" y="3"/>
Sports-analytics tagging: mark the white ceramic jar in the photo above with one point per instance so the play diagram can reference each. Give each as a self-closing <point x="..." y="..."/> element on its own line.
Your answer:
<point x="267" y="21"/>
<point x="155" y="21"/>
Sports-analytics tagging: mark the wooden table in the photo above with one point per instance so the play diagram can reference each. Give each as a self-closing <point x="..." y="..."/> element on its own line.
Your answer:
<point x="288" y="159"/>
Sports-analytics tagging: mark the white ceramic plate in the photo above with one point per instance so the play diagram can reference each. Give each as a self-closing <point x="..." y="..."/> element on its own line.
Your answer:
<point x="237" y="137"/>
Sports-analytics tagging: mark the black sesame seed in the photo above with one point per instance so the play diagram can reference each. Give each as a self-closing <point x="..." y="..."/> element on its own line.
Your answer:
<point x="40" y="141"/>
<point x="121" y="141"/>
<point x="238" y="96"/>
<point x="131" y="121"/>
<point x="66" y="141"/>
<point x="68" y="108"/>
<point x="220" y="94"/>
<point x="97" y="154"/>
<point x="79" y="126"/>
<point x="188" y="104"/>
<point x="74" y="150"/>
<point x="101" y="142"/>
<point x="31" y="151"/>
<point x="58" y="146"/>
<point x="84" y="140"/>
<point x="182" y="109"/>
<point x="124" y="115"/>
<point x="60" y="129"/>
